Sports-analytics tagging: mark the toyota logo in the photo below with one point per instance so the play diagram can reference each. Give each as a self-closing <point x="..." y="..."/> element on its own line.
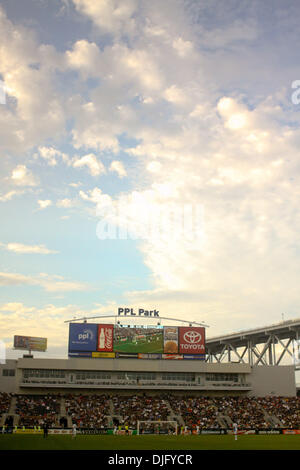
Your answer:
<point x="192" y="337"/>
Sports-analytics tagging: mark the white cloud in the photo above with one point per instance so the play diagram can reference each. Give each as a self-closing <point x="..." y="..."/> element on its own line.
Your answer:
<point x="65" y="203"/>
<point x="175" y="95"/>
<point x="50" y="283"/>
<point x="118" y="167"/>
<point x="51" y="155"/>
<point x="9" y="195"/>
<point x="27" y="249"/>
<point x="97" y="197"/>
<point x="95" y="167"/>
<point x="154" y="167"/>
<point x="109" y="15"/>
<point x="21" y="176"/>
<point x="182" y="47"/>
<point x="44" y="203"/>
<point x="38" y="110"/>
<point x="236" y="116"/>
<point x="85" y="57"/>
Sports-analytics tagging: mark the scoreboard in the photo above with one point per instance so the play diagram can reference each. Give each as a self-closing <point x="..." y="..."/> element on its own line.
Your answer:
<point x="110" y="341"/>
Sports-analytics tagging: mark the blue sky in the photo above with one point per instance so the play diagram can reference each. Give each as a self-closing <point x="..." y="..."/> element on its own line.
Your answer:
<point x="115" y="113"/>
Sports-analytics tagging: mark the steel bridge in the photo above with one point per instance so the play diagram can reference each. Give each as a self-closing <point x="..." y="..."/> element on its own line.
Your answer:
<point x="266" y="346"/>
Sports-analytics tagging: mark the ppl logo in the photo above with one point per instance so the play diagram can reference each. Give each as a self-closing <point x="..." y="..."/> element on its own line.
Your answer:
<point x="192" y="337"/>
<point x="85" y="335"/>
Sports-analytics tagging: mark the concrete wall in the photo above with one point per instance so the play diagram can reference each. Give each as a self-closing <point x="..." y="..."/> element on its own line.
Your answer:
<point x="273" y="380"/>
<point x="134" y="365"/>
<point x="8" y="384"/>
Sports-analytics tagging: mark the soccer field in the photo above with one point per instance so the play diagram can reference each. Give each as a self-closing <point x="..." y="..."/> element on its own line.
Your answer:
<point x="99" y="442"/>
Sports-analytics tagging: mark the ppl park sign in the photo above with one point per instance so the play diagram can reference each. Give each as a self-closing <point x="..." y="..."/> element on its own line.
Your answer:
<point x="141" y="312"/>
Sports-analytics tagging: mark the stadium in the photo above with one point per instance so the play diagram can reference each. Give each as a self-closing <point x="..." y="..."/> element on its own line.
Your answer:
<point x="121" y="381"/>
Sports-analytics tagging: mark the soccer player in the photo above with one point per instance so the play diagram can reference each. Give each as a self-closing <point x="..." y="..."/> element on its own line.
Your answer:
<point x="74" y="430"/>
<point x="45" y="428"/>
<point x="235" y="430"/>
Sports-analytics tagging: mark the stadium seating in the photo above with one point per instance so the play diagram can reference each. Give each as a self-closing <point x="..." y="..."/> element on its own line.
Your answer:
<point x="88" y="410"/>
<point x="35" y="410"/>
<point x="5" y="399"/>
<point x="134" y="408"/>
<point x="102" y="411"/>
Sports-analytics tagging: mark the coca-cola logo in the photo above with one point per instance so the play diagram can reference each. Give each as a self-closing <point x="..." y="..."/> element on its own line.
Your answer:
<point x="108" y="337"/>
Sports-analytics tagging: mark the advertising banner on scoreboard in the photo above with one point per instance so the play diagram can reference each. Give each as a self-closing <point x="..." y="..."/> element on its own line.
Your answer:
<point x="105" y="338"/>
<point x="149" y="356"/>
<point x="138" y="340"/>
<point x="127" y="355"/>
<point x="198" y="357"/>
<point x="170" y="339"/>
<point x="172" y="356"/>
<point x="191" y="340"/>
<point x="83" y="337"/>
<point x="80" y="354"/>
<point x="108" y="355"/>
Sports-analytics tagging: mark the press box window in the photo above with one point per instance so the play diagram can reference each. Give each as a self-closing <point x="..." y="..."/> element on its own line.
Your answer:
<point x="8" y="372"/>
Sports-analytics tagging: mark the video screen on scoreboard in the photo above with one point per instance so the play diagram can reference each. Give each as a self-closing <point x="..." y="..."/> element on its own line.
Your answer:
<point x="138" y="340"/>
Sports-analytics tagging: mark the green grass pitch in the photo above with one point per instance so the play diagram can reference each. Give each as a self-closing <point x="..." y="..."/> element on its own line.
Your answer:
<point x="162" y="442"/>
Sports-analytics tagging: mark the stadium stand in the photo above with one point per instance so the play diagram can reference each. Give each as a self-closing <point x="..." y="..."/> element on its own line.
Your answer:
<point x="34" y="410"/>
<point x="200" y="411"/>
<point x="5" y="399"/>
<point x="286" y="411"/>
<point x="246" y="413"/>
<point x="90" y="411"/>
<point x="105" y="411"/>
<point x="145" y="408"/>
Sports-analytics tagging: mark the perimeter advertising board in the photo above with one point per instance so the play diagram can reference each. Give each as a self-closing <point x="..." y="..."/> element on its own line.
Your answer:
<point x="107" y="340"/>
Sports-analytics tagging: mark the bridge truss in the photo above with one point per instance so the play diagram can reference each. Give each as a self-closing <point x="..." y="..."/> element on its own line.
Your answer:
<point x="267" y="346"/>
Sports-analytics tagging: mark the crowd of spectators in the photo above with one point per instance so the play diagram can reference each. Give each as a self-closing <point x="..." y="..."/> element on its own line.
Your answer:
<point x="286" y="410"/>
<point x="247" y="413"/>
<point x="136" y="408"/>
<point x="5" y="399"/>
<point x="89" y="411"/>
<point x="98" y="411"/>
<point x="197" y="411"/>
<point x="36" y="410"/>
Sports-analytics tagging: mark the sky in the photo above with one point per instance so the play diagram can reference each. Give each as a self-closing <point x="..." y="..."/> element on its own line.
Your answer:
<point x="149" y="158"/>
